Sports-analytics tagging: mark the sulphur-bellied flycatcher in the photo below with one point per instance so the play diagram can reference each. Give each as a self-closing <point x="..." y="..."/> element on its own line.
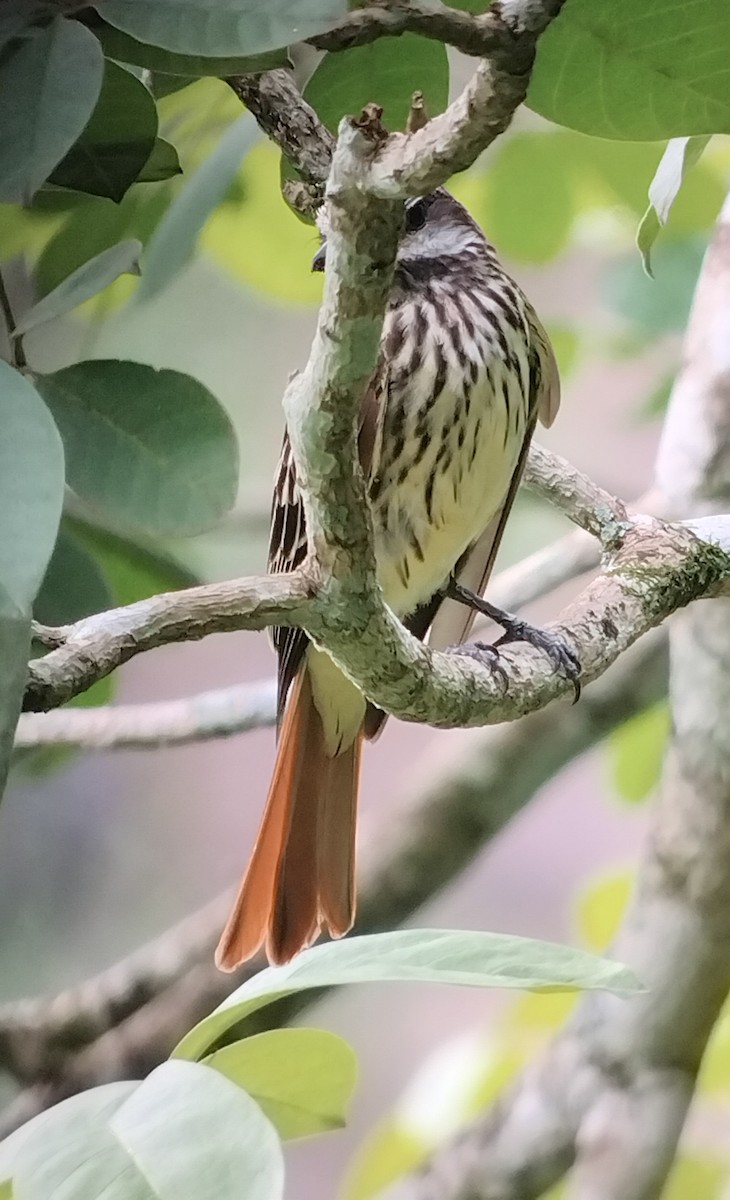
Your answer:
<point x="464" y="372"/>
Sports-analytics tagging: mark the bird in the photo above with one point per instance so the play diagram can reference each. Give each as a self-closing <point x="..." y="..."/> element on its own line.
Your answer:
<point x="464" y="371"/>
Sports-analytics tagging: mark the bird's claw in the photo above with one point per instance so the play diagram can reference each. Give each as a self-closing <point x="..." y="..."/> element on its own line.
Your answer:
<point x="486" y="654"/>
<point x="559" y="653"/>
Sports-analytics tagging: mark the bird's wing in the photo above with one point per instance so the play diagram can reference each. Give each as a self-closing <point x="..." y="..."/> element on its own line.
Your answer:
<point x="453" y="621"/>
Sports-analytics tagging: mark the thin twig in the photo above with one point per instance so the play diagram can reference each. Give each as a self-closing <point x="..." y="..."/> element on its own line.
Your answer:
<point x="213" y="714"/>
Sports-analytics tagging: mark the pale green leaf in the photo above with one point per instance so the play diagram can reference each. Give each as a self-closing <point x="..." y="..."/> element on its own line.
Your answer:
<point x="31" y="496"/>
<point x="223" y="27"/>
<point x="172" y="245"/>
<point x="302" y="1078"/>
<point x="127" y="49"/>
<point x="466" y="958"/>
<point x="183" y="1134"/>
<point x="31" y="490"/>
<point x="92" y="277"/>
<point x="49" y="84"/>
<point x="152" y="450"/>
<point x="116" y="143"/>
<point x="679" y="156"/>
<point x="94" y="1105"/>
<point x="647" y="71"/>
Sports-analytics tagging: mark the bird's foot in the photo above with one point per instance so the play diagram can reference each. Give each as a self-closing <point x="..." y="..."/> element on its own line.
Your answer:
<point x="559" y="653"/>
<point x="517" y="630"/>
<point x="486" y="654"/>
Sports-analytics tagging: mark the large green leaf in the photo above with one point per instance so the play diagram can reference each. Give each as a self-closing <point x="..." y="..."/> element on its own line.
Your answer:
<point x="185" y="1133"/>
<point x="302" y="1078"/>
<point x="121" y="46"/>
<point x="647" y="71"/>
<point x="31" y="489"/>
<point x="222" y="27"/>
<point x="49" y="84"/>
<point x="680" y="155"/>
<point x="92" y="277"/>
<point x="172" y="245"/>
<point x="31" y="496"/>
<point x="418" y="955"/>
<point x="388" y="71"/>
<point x="152" y="450"/>
<point x="116" y="143"/>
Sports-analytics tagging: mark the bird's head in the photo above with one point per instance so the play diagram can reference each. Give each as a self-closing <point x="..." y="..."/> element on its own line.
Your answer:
<point x="435" y="226"/>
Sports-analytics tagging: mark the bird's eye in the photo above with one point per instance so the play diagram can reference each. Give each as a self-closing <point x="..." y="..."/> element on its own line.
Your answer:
<point x="416" y="213"/>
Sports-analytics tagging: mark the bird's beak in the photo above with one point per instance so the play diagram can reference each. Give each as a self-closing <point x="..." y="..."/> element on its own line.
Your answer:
<point x="318" y="260"/>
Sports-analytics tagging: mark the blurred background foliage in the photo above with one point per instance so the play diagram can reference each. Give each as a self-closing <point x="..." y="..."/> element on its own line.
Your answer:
<point x="234" y="306"/>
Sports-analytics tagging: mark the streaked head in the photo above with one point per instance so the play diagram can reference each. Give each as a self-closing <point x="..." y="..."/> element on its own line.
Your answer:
<point x="436" y="226"/>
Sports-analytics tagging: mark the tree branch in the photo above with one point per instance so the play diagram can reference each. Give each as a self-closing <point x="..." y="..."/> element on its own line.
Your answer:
<point x="612" y="1090"/>
<point x="214" y="714"/>
<point x="128" y="1018"/>
<point x="657" y="569"/>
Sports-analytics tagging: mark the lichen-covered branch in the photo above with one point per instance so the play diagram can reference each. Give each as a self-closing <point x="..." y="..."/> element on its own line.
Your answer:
<point x="656" y="569"/>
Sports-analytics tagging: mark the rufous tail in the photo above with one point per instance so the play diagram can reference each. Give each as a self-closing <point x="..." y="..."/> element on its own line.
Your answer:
<point x="301" y="876"/>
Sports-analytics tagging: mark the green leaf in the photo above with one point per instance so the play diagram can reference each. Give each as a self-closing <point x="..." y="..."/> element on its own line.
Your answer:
<point x="152" y="450"/>
<point x="31" y="496"/>
<point x="302" y="1078"/>
<point x="388" y="71"/>
<point x="679" y="156"/>
<point x="173" y="243"/>
<point x="94" y="225"/>
<point x="636" y="751"/>
<point x="163" y="163"/>
<point x="419" y="955"/>
<point x="223" y="27"/>
<point x="73" y="585"/>
<point x="116" y="143"/>
<point x="49" y="84"/>
<point x="182" y="1134"/>
<point x="648" y="71"/>
<point x="92" y="277"/>
<point x="123" y="48"/>
<point x="31" y="490"/>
